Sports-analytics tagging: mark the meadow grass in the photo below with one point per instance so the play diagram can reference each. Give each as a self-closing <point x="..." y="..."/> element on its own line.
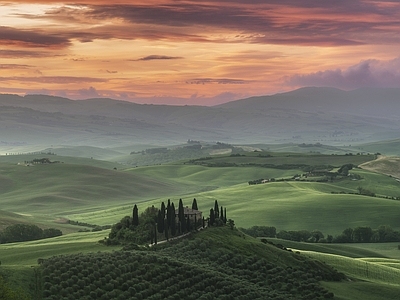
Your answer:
<point x="356" y="250"/>
<point x="28" y="253"/>
<point x="309" y="159"/>
<point x="295" y="206"/>
<point x="358" y="268"/>
<point x="89" y="194"/>
<point x="385" y="249"/>
<point x="351" y="290"/>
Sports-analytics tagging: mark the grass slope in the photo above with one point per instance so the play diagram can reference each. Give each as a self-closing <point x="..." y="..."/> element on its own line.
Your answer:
<point x="217" y="263"/>
<point x="373" y="268"/>
<point x="384" y="165"/>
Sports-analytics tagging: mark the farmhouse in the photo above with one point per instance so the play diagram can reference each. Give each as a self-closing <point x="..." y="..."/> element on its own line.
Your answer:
<point x="192" y="214"/>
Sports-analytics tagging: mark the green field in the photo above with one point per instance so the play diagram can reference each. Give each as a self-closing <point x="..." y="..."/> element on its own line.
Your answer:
<point x="101" y="193"/>
<point x="373" y="269"/>
<point x="86" y="192"/>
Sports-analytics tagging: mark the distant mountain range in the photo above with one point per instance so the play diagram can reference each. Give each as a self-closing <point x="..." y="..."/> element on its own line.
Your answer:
<point x="309" y="115"/>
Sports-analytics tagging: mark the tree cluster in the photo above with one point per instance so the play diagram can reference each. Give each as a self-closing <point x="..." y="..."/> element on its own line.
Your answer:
<point x="155" y="224"/>
<point x="26" y="232"/>
<point x="361" y="234"/>
<point x="218" y="216"/>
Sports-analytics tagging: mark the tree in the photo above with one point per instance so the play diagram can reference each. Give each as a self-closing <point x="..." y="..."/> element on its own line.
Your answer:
<point x="155" y="234"/>
<point x="216" y="209"/>
<point x="181" y="217"/>
<point x="21" y="232"/>
<point x="231" y="224"/>
<point x="194" y="204"/>
<point x="317" y="235"/>
<point x="166" y="229"/>
<point x="221" y="215"/>
<point x="169" y="213"/>
<point x="362" y="234"/>
<point x="188" y="228"/>
<point x="212" y="217"/>
<point x="225" y="215"/>
<point x="163" y="210"/>
<point x="51" y="232"/>
<point x="160" y="222"/>
<point x="173" y="221"/>
<point x="135" y="219"/>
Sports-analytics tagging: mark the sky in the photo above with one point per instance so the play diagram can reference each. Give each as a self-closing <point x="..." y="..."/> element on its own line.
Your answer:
<point x="196" y="52"/>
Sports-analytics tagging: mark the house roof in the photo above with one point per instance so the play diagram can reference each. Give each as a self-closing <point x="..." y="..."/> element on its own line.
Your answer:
<point x="188" y="211"/>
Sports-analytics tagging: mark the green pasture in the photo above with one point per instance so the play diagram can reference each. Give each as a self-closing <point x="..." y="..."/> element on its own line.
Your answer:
<point x="356" y="250"/>
<point x="61" y="188"/>
<point x="296" y="206"/>
<point x="384" y="249"/>
<point x="285" y="205"/>
<point x="45" y="194"/>
<point x="200" y="177"/>
<point x="388" y="147"/>
<point x="27" y="253"/>
<point x="381" y="185"/>
<point x="359" y="269"/>
<point x="311" y="159"/>
<point x="351" y="290"/>
<point x="87" y="161"/>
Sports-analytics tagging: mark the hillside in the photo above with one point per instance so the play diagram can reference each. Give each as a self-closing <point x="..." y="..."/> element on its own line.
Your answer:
<point x="385" y="165"/>
<point x="373" y="269"/>
<point x="307" y="115"/>
<point x="92" y="191"/>
<point x="217" y="263"/>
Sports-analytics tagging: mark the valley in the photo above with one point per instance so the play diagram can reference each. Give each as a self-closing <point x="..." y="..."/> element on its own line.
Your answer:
<point x="100" y="193"/>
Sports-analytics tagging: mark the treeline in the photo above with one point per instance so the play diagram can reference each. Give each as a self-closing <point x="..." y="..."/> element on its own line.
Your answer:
<point x="93" y="226"/>
<point x="362" y="234"/>
<point x="26" y="232"/>
<point x="41" y="161"/>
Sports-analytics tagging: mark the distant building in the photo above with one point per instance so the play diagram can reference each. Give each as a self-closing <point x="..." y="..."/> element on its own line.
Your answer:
<point x="193" y="214"/>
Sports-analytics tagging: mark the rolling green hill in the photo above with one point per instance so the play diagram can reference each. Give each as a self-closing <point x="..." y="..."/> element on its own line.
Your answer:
<point x="94" y="192"/>
<point x="217" y="263"/>
<point x="101" y="193"/>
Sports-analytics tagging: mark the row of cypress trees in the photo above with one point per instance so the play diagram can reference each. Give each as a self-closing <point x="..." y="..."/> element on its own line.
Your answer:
<point x="167" y="222"/>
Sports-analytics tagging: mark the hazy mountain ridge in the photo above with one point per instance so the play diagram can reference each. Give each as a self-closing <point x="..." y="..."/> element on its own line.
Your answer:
<point x="325" y="115"/>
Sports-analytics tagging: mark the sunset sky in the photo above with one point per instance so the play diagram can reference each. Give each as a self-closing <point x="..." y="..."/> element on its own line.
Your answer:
<point x="197" y="51"/>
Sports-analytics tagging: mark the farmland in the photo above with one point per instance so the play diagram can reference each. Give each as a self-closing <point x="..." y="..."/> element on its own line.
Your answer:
<point x="98" y="192"/>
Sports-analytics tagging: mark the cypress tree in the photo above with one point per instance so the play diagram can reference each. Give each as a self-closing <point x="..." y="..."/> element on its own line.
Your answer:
<point x="163" y="210"/>
<point x="155" y="234"/>
<point x="216" y="210"/>
<point x="204" y="223"/>
<point x="135" y="217"/>
<point x="160" y="222"/>
<point x="194" y="204"/>
<point x="221" y="216"/>
<point x="225" y="215"/>
<point x="212" y="217"/>
<point x="168" y="213"/>
<point x="181" y="216"/>
<point x="173" y="220"/>
<point x="166" y="229"/>
<point x="188" y="224"/>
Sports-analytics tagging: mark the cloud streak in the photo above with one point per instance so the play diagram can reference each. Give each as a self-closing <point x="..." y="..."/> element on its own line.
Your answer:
<point x="53" y="79"/>
<point x="274" y="22"/>
<point x="170" y="49"/>
<point x="157" y="57"/>
<point x="369" y="73"/>
<point x="30" y="38"/>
